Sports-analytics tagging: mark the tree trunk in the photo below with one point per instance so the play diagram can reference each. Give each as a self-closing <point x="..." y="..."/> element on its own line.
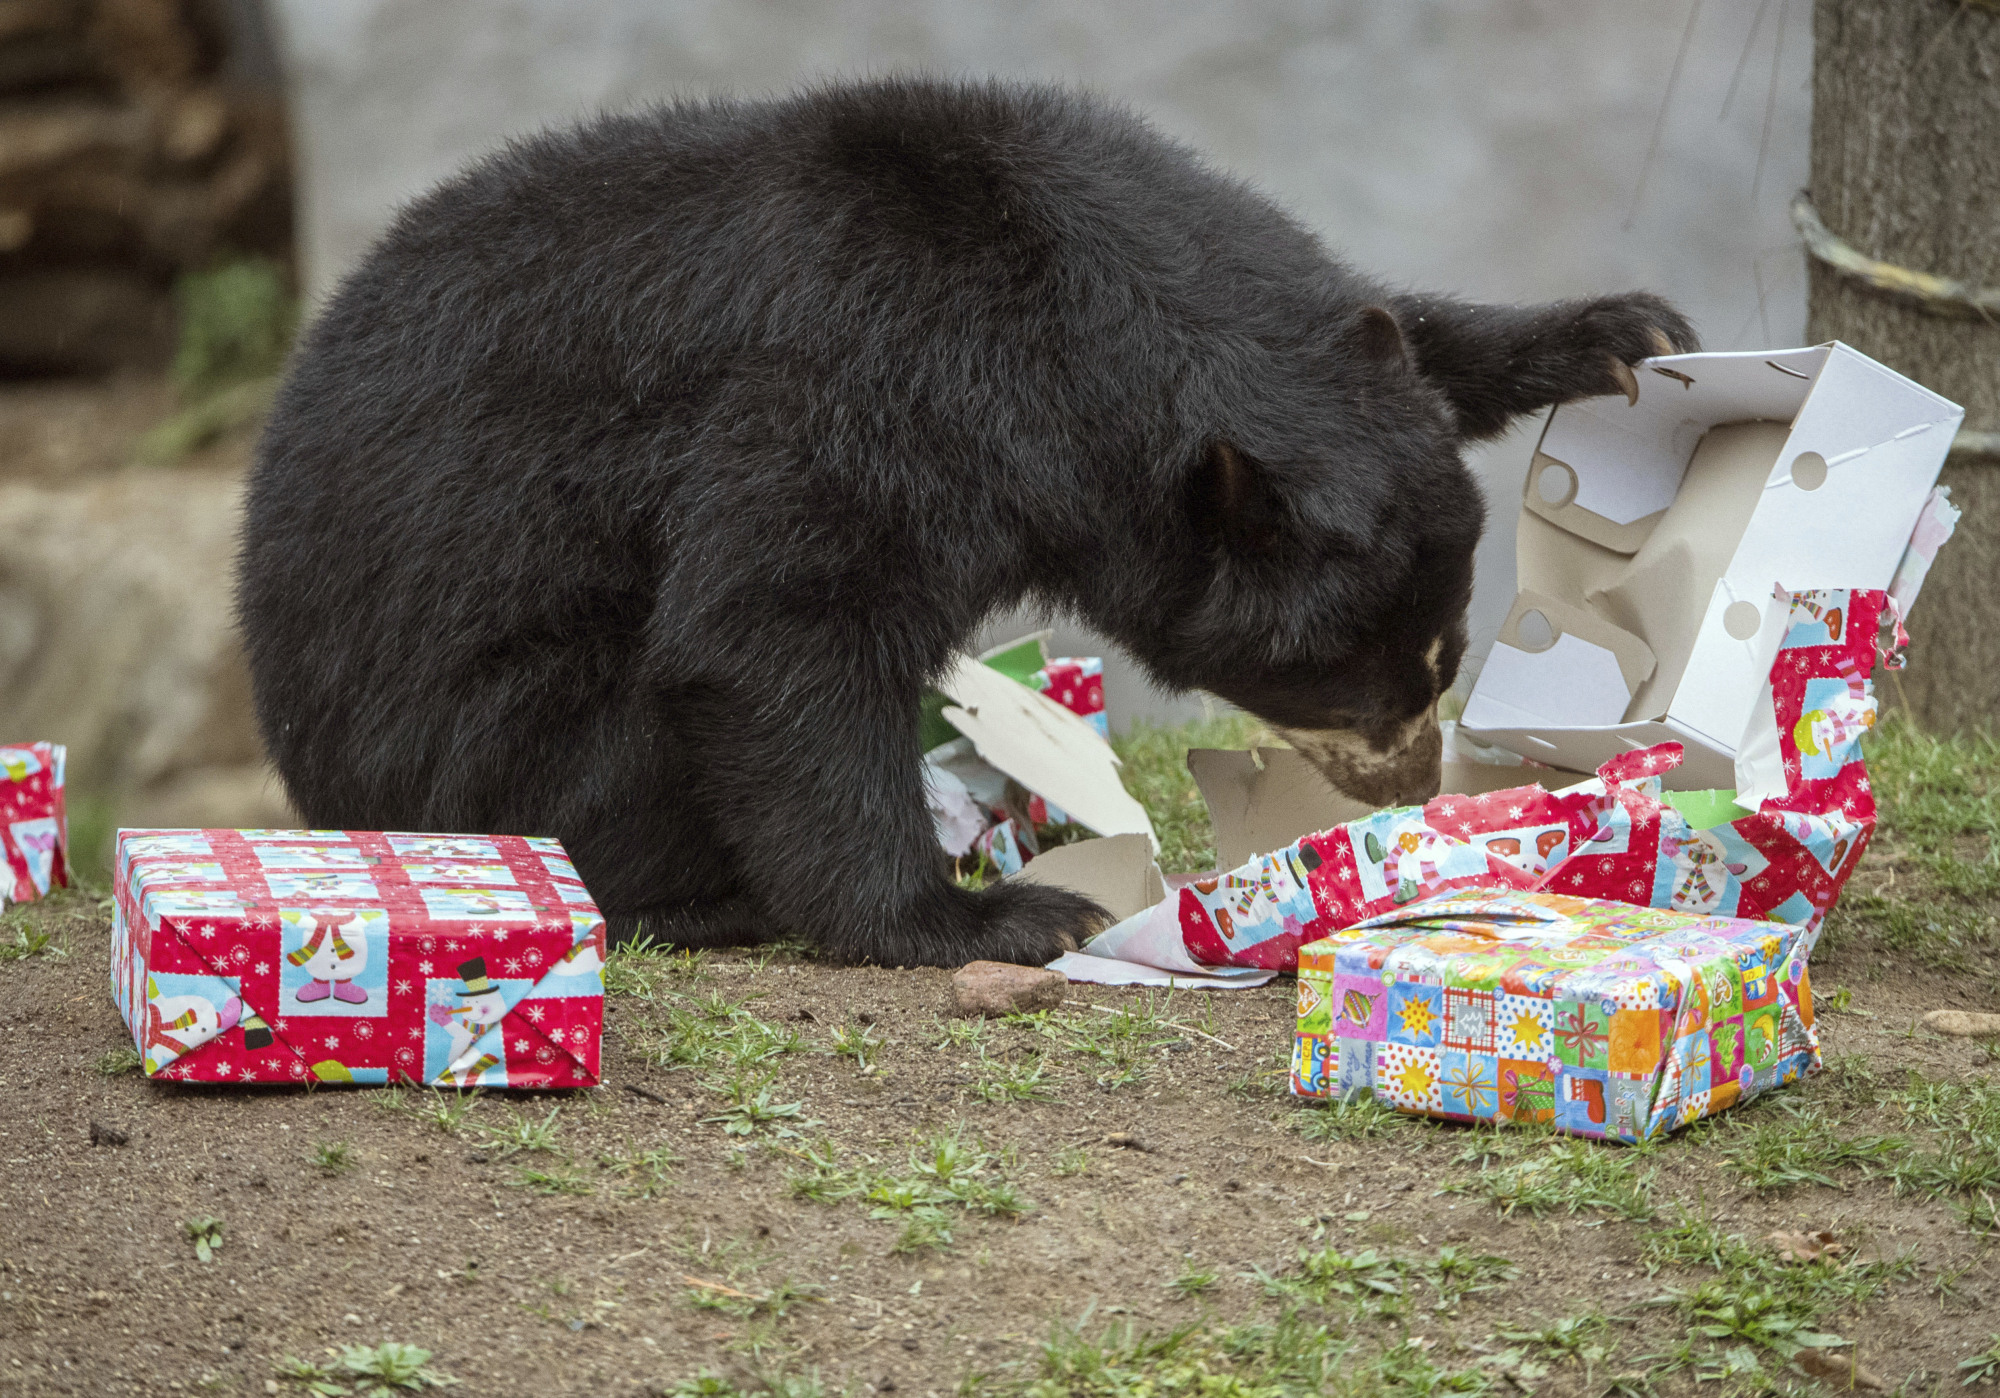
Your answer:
<point x="1906" y="168"/>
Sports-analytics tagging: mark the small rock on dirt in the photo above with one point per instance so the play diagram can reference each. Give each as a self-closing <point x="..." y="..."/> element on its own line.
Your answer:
<point x="994" y="988"/>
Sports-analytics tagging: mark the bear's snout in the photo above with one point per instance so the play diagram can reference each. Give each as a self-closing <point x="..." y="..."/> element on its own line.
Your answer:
<point x="1402" y="767"/>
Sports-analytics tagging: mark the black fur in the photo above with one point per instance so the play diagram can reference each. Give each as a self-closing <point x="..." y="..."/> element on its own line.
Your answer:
<point x="638" y="482"/>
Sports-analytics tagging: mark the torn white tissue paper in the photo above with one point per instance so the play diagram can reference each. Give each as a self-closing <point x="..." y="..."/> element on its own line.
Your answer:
<point x="1146" y="949"/>
<point x="957" y="816"/>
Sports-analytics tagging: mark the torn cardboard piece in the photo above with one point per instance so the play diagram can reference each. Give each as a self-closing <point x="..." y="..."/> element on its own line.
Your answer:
<point x="994" y="811"/>
<point x="1666" y="526"/>
<point x="1049" y="750"/>
<point x="1116" y="871"/>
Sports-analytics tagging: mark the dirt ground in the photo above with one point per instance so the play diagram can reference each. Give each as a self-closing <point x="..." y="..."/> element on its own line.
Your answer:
<point x="800" y="1178"/>
<point x="592" y="1259"/>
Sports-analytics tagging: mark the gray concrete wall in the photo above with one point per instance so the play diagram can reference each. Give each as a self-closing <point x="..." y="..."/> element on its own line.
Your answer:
<point x="1491" y="148"/>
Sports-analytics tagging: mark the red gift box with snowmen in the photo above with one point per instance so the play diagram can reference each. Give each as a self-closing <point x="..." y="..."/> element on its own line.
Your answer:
<point x="34" y="833"/>
<point x="357" y="957"/>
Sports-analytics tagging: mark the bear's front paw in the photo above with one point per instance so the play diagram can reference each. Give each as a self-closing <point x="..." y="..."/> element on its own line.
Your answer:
<point x="1031" y="924"/>
<point x="1594" y="353"/>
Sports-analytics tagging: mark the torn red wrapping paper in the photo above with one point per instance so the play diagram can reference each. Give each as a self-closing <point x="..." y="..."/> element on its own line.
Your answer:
<point x="1617" y="836"/>
<point x="34" y="828"/>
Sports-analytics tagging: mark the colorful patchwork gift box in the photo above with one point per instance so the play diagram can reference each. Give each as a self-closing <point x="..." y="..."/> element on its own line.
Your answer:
<point x="344" y="956"/>
<point x="1603" y="1018"/>
<point x="34" y="833"/>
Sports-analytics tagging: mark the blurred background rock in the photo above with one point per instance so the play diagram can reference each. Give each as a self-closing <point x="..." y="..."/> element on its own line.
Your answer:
<point x="152" y="153"/>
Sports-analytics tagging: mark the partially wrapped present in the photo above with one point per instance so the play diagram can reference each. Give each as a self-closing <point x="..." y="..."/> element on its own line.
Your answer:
<point x="357" y="957"/>
<point x="34" y="831"/>
<point x="1617" y="836"/>
<point x="1599" y="1017"/>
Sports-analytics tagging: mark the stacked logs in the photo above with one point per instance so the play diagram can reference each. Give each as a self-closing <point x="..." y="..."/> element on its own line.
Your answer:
<point x="138" y="139"/>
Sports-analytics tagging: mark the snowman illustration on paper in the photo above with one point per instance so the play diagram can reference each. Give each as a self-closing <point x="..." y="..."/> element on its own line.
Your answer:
<point x="1704" y="877"/>
<point x="334" y="953"/>
<point x="178" y="1023"/>
<point x="480" y="1006"/>
<point x="1705" y="871"/>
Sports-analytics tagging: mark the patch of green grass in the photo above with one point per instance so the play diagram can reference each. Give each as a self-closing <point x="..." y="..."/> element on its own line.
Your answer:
<point x="1295" y="1355"/>
<point x="825" y="1181"/>
<point x="1786" y="1145"/>
<point x="1367" y="1279"/>
<point x="858" y="1042"/>
<point x="1569" y="1176"/>
<point x="444" y="1110"/>
<point x="1754" y="1303"/>
<point x="333" y="1157"/>
<point x="119" y="1061"/>
<point x="1577" y="1338"/>
<point x="520" y="1132"/>
<point x="1352" y="1119"/>
<point x="1456" y="1273"/>
<point x="1195" y="1279"/>
<point x="1119" y="1040"/>
<point x="1940" y="829"/>
<point x="557" y="1179"/>
<point x="1014" y="1080"/>
<point x="1957" y="1167"/>
<point x="367" y="1371"/>
<point x="963" y="1033"/>
<point x="752" y="1106"/>
<point x="921" y="1232"/>
<point x="236" y="322"/>
<point x="206" y="1235"/>
<point x="1727" y="1311"/>
<point x="1983" y="1367"/>
<point x="1940" y="799"/>
<point x="27" y="940"/>
<point x="1961" y="1156"/>
<point x="645" y="1173"/>
<point x="1970" y="1108"/>
<point x="942" y="1173"/>
<point x="1069" y="1162"/>
<point x="1155" y="771"/>
<point x="642" y="967"/>
<point x="710" y="1031"/>
<point x="777" y="1302"/>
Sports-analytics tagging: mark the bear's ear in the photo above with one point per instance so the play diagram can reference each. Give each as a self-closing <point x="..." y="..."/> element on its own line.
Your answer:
<point x="1234" y="494"/>
<point x="1382" y="337"/>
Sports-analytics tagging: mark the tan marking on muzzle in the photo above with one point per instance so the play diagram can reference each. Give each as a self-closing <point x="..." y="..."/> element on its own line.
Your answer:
<point x="1403" y="773"/>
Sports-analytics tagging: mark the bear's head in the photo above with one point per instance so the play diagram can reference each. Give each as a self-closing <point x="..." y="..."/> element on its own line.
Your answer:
<point x="1335" y="524"/>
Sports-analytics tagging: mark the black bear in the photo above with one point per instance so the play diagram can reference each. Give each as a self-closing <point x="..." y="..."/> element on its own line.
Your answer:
<point x="638" y="482"/>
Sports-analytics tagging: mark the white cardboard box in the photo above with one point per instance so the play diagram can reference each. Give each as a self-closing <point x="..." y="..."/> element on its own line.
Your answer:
<point x="1655" y="535"/>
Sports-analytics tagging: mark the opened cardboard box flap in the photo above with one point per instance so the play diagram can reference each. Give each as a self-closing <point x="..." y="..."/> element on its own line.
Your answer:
<point x="1656" y="536"/>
